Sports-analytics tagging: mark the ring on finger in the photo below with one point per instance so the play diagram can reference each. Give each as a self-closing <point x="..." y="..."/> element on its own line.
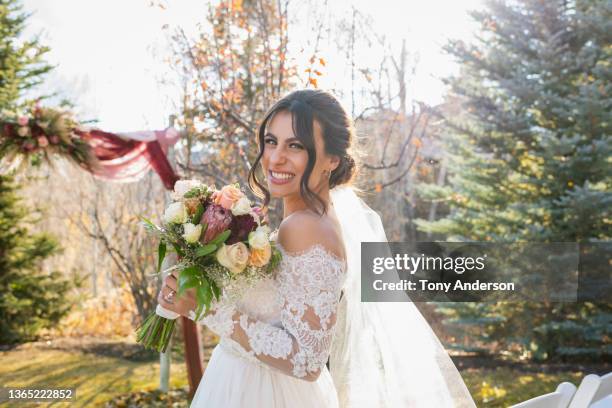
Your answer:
<point x="170" y="296"/>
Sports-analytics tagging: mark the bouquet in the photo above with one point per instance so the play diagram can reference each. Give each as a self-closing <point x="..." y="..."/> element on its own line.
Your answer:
<point x="222" y="244"/>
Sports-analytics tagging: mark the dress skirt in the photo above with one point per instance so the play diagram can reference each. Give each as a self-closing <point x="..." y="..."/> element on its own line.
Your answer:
<point x="233" y="380"/>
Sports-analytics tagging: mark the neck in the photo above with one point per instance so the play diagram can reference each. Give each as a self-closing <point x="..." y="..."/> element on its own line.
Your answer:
<point x="295" y="202"/>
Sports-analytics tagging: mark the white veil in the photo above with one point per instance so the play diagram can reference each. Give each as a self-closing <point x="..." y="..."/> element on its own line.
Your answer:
<point x="385" y="354"/>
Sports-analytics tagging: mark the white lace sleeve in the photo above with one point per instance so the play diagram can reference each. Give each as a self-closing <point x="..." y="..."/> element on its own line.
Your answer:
<point x="309" y="286"/>
<point x="220" y="319"/>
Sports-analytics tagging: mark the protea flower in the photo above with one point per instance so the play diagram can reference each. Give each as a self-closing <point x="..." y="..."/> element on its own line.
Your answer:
<point x="217" y="219"/>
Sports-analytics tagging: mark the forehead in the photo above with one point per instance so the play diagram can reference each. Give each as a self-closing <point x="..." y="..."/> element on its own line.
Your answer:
<point x="281" y="126"/>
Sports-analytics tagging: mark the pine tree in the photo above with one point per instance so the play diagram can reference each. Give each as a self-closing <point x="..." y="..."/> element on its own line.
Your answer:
<point x="530" y="158"/>
<point x="22" y="66"/>
<point x="31" y="299"/>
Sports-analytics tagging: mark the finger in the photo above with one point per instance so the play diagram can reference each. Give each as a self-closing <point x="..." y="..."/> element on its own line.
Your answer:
<point x="170" y="283"/>
<point x="181" y="306"/>
<point x="185" y="300"/>
<point x="161" y="299"/>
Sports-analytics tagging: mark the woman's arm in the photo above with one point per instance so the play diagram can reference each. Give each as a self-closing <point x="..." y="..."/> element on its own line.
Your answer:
<point x="311" y="289"/>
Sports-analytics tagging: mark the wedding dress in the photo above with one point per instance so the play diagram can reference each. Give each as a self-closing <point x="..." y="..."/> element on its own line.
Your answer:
<point x="289" y="321"/>
<point x="381" y="355"/>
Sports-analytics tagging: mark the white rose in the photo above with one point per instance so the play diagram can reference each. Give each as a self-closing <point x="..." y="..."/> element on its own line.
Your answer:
<point x="192" y="232"/>
<point x="23" y="131"/>
<point x="242" y="206"/>
<point x="181" y="187"/>
<point x="259" y="238"/>
<point x="176" y="213"/>
<point x="234" y="257"/>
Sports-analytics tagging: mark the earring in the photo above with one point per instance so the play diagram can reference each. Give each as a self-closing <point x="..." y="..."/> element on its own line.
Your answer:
<point x="327" y="173"/>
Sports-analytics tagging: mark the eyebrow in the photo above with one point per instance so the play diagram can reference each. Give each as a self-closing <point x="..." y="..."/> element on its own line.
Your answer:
<point x="291" y="139"/>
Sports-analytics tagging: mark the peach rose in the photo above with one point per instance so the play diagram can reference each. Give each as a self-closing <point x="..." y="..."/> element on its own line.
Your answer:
<point x="228" y="196"/>
<point x="260" y="257"/>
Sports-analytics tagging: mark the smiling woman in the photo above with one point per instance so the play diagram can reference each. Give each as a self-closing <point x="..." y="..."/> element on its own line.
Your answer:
<point x="278" y="337"/>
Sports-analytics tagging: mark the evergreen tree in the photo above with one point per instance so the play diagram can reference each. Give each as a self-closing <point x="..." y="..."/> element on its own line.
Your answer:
<point x="21" y="61"/>
<point x="530" y="158"/>
<point x="30" y="299"/>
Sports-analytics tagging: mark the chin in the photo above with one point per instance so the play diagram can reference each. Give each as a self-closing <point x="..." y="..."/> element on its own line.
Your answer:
<point x="281" y="191"/>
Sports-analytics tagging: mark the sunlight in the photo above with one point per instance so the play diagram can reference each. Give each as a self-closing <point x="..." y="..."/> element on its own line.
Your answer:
<point x="110" y="55"/>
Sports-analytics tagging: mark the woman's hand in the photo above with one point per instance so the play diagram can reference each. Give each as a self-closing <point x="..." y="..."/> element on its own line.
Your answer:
<point x="168" y="297"/>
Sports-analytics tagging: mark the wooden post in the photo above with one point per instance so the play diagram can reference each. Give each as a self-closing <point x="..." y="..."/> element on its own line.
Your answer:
<point x="193" y="354"/>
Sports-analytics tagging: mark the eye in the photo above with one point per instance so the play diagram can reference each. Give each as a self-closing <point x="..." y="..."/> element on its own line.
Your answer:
<point x="270" y="140"/>
<point x="296" y="146"/>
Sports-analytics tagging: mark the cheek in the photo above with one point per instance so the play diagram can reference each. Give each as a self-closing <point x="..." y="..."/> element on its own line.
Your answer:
<point x="300" y="162"/>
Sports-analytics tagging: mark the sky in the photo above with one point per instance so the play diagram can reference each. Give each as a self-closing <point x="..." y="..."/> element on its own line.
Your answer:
<point x="109" y="54"/>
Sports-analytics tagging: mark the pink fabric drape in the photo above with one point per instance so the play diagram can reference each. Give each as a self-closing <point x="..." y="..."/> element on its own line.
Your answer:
<point x="128" y="157"/>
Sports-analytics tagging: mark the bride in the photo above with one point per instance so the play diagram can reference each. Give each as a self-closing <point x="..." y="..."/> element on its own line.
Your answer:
<point x="276" y="341"/>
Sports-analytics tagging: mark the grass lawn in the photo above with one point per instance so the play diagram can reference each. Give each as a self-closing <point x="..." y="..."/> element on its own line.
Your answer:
<point x="101" y="370"/>
<point x="96" y="377"/>
<point x="503" y="386"/>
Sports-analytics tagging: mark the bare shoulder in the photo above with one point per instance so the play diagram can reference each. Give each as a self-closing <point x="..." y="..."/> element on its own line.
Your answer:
<point x="304" y="229"/>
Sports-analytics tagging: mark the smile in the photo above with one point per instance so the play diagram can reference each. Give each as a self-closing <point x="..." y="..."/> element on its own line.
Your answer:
<point x="278" y="177"/>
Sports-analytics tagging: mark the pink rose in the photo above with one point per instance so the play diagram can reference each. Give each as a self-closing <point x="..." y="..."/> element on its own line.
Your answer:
<point x="23" y="120"/>
<point x="28" y="146"/>
<point x="54" y="139"/>
<point x="42" y="141"/>
<point x="217" y="219"/>
<point x="228" y="196"/>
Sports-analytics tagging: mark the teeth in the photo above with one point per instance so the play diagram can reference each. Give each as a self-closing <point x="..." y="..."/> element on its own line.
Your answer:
<point x="282" y="176"/>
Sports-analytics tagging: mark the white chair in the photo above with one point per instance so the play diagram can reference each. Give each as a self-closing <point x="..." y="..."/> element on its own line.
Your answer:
<point x="605" y="402"/>
<point x="593" y="390"/>
<point x="558" y="399"/>
<point x="603" y="396"/>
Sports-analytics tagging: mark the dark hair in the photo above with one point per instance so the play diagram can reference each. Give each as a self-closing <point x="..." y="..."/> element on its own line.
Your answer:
<point x="306" y="106"/>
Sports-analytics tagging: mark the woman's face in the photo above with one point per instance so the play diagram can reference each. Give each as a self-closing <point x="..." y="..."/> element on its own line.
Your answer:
<point x="285" y="158"/>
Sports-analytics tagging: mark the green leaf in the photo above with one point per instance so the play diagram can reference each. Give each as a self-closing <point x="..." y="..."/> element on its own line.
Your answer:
<point x="205" y="250"/>
<point x="204" y="294"/>
<point x="198" y="312"/>
<point x="161" y="254"/>
<point x="216" y="290"/>
<point x="148" y="223"/>
<point x="188" y="278"/>
<point x="198" y="214"/>
<point x="178" y="250"/>
<point x="222" y="237"/>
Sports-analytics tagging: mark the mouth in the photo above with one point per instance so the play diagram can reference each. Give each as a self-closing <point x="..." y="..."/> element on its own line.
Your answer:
<point x="280" y="177"/>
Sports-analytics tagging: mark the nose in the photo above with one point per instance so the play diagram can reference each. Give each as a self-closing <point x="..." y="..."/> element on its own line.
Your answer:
<point x="277" y="156"/>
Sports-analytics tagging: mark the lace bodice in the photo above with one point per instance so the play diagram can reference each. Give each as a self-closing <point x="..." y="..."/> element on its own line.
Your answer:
<point x="287" y="321"/>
